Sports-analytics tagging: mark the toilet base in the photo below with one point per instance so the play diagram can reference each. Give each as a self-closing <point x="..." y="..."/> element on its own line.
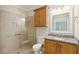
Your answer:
<point x="38" y="52"/>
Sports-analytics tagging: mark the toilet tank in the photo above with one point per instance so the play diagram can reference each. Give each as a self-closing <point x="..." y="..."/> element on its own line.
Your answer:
<point x="40" y="40"/>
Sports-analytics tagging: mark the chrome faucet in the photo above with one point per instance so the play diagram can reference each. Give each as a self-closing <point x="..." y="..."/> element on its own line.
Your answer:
<point x="60" y="35"/>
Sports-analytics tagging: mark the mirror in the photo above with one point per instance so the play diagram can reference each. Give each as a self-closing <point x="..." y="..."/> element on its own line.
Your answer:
<point x="60" y="22"/>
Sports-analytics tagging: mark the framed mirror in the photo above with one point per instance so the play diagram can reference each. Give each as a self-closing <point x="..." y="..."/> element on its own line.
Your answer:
<point x="61" y="23"/>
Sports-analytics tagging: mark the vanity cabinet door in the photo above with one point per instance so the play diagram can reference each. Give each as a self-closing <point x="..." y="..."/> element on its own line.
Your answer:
<point x="77" y="49"/>
<point x="50" y="47"/>
<point x="67" y="48"/>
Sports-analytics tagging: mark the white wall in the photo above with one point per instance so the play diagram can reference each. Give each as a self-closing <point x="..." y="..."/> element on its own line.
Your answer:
<point x="76" y="22"/>
<point x="41" y="32"/>
<point x="10" y="26"/>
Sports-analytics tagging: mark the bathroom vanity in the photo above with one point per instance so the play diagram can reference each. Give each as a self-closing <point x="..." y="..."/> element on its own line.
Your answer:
<point x="61" y="22"/>
<point x="55" y="45"/>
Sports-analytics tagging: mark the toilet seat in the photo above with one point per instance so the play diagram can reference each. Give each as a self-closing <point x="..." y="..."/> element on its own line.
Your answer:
<point x="37" y="46"/>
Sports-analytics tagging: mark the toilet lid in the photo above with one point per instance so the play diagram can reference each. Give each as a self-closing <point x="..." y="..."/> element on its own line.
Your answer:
<point x="37" y="45"/>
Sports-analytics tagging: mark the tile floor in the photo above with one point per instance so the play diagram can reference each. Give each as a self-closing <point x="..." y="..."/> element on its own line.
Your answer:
<point x="26" y="50"/>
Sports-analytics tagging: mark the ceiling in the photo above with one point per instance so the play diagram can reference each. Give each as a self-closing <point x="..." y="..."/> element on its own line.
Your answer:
<point x="29" y="7"/>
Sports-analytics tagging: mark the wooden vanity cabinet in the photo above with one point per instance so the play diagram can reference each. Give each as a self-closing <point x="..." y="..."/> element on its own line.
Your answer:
<point x="57" y="47"/>
<point x="40" y="18"/>
<point x="51" y="47"/>
<point x="78" y="49"/>
<point x="67" y="48"/>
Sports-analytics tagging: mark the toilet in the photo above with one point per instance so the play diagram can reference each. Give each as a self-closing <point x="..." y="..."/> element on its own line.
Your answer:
<point x="38" y="46"/>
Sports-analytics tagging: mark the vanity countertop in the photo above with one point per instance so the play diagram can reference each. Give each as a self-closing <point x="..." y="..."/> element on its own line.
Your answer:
<point x="68" y="40"/>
